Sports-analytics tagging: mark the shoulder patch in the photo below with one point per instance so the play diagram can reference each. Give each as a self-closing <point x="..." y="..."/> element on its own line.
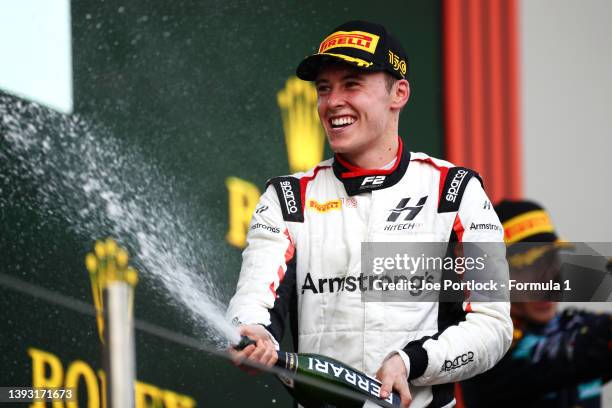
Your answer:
<point x="289" y="196"/>
<point x="455" y="183"/>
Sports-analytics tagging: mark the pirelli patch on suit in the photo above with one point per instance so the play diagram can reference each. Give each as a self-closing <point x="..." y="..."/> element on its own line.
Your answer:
<point x="289" y="196"/>
<point x="456" y="181"/>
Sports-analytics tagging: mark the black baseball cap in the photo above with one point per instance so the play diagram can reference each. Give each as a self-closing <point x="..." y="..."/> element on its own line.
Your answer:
<point x="529" y="234"/>
<point x="367" y="46"/>
<point x="525" y="221"/>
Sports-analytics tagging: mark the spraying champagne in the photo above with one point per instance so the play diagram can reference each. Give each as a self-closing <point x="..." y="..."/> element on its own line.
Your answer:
<point x="327" y="371"/>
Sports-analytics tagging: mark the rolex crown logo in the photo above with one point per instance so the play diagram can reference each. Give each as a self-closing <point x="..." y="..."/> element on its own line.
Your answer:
<point x="303" y="132"/>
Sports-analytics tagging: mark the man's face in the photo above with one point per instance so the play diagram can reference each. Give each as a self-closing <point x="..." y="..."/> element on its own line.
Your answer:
<point x="538" y="312"/>
<point x="354" y="107"/>
<point x="537" y="306"/>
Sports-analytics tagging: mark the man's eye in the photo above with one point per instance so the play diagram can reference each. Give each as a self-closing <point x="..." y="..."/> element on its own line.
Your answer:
<point x="352" y="84"/>
<point x="322" y="89"/>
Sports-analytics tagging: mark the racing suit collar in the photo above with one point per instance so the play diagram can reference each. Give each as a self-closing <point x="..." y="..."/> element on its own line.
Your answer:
<point x="357" y="180"/>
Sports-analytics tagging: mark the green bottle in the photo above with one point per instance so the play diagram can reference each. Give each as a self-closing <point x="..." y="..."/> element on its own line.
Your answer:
<point x="326" y="370"/>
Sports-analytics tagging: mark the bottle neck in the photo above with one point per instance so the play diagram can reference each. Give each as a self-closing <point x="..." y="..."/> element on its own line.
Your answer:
<point x="288" y="361"/>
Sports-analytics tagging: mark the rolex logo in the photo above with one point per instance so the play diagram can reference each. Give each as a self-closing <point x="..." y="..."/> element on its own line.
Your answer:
<point x="304" y="135"/>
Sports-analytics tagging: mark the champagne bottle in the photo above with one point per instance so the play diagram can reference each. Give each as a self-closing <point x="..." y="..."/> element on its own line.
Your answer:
<point x="326" y="370"/>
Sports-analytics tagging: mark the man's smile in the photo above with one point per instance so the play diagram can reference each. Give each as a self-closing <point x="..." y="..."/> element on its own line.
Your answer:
<point x="341" y="121"/>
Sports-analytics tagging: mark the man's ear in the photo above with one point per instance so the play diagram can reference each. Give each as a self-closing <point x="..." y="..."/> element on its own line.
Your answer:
<point x="400" y="93"/>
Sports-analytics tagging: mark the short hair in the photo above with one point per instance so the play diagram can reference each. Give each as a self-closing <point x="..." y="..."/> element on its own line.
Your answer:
<point x="390" y="80"/>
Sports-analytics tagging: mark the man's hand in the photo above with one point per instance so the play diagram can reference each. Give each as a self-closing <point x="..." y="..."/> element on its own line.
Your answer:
<point x="263" y="353"/>
<point x="393" y="376"/>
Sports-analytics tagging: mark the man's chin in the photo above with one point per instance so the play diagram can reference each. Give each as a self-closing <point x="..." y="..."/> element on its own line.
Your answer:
<point x="542" y="312"/>
<point x="338" y="146"/>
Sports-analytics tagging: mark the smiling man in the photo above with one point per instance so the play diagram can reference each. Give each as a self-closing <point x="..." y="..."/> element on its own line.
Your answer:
<point x="373" y="190"/>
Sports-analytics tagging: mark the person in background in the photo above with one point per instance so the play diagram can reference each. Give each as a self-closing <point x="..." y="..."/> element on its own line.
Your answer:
<point x="557" y="359"/>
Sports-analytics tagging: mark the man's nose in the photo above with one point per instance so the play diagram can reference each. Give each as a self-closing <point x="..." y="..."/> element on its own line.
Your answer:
<point x="336" y="98"/>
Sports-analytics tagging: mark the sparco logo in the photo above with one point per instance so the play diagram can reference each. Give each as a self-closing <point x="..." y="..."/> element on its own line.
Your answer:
<point x="458" y="362"/>
<point x="403" y="206"/>
<point x="453" y="191"/>
<point x="289" y="197"/>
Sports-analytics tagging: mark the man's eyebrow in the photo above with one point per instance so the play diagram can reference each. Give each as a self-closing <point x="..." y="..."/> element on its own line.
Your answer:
<point x="347" y="77"/>
<point x="357" y="77"/>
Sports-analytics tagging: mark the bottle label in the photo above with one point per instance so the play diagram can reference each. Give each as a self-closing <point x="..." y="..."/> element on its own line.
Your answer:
<point x="347" y="375"/>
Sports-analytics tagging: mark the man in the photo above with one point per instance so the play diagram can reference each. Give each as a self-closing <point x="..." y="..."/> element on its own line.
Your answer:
<point x="556" y="359"/>
<point x="373" y="190"/>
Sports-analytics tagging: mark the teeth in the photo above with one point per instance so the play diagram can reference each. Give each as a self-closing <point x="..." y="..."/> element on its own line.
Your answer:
<point x="344" y="120"/>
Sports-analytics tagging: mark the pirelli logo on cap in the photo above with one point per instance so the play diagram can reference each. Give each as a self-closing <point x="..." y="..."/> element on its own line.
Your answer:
<point x="525" y="225"/>
<point x="350" y="39"/>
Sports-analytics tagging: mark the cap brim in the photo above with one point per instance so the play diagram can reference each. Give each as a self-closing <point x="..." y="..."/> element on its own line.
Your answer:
<point x="310" y="66"/>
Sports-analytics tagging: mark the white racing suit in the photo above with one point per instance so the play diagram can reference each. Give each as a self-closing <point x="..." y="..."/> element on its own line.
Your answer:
<point x="304" y="245"/>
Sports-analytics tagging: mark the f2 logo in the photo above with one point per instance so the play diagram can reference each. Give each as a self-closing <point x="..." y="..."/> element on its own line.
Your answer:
<point x="373" y="181"/>
<point x="402" y="206"/>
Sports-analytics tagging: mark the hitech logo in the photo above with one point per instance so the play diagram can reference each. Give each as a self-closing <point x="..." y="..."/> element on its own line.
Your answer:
<point x="403" y="206"/>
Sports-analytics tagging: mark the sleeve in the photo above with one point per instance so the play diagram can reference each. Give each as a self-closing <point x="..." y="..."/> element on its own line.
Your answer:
<point x="264" y="264"/>
<point x="477" y="342"/>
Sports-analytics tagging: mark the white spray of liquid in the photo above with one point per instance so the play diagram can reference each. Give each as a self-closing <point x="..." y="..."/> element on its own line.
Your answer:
<point x="98" y="184"/>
